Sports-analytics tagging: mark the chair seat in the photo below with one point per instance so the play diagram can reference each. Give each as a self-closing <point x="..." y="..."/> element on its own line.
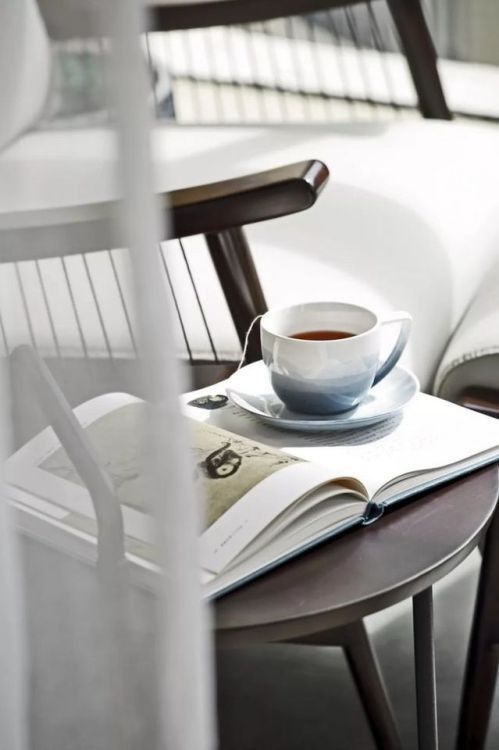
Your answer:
<point x="407" y="221"/>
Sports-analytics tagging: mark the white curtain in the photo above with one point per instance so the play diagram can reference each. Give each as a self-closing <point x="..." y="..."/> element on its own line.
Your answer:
<point x="89" y="658"/>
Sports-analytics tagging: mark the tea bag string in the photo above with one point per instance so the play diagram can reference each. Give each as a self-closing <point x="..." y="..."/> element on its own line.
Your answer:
<point x="246" y="342"/>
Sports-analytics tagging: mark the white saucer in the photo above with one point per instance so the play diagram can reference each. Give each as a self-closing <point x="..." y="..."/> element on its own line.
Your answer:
<point x="251" y="390"/>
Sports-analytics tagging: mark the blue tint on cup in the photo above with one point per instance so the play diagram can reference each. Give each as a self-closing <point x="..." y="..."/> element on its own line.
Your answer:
<point x="331" y="396"/>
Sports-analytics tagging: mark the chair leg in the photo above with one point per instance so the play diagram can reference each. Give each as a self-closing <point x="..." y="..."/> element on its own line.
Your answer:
<point x="482" y="659"/>
<point x="366" y="673"/>
<point x="421" y="57"/>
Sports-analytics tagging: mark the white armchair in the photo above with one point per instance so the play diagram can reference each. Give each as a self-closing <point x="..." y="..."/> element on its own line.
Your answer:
<point x="408" y="220"/>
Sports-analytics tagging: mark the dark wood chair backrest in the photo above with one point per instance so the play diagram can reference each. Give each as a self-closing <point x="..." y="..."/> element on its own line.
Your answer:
<point x="343" y="25"/>
<point x="410" y="23"/>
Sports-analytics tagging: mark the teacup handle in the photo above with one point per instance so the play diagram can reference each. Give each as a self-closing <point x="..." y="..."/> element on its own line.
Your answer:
<point x="405" y="321"/>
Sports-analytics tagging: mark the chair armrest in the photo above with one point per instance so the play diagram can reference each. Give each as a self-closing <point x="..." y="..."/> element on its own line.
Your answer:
<point x="246" y="200"/>
<point x="29" y="369"/>
<point x="484" y="400"/>
<point x="32" y="235"/>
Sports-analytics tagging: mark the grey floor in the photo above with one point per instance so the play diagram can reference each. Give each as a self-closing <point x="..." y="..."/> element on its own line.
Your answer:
<point x="272" y="697"/>
<point x="287" y="697"/>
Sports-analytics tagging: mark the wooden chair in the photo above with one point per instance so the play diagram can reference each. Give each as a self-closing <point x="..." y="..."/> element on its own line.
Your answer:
<point x="218" y="211"/>
<point x="410" y="25"/>
<point x="356" y="34"/>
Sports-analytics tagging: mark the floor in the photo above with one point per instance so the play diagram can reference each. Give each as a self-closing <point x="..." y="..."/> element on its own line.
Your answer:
<point x="296" y="697"/>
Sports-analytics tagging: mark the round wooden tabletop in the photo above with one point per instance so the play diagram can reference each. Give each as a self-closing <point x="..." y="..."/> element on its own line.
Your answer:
<point x="366" y="570"/>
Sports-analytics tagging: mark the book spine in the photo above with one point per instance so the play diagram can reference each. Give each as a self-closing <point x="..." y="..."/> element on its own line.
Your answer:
<point x="372" y="512"/>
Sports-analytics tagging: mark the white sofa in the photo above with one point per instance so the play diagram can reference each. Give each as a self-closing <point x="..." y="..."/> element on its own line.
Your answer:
<point x="407" y="221"/>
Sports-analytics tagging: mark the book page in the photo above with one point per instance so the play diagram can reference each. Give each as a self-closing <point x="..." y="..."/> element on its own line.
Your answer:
<point x="429" y="433"/>
<point x="245" y="520"/>
<point x="226" y="466"/>
<point x="243" y="485"/>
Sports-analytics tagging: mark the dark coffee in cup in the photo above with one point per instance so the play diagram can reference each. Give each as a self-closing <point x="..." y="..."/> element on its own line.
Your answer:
<point x="321" y="335"/>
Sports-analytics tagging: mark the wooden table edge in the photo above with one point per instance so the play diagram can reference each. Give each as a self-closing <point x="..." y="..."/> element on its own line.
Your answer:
<point x="316" y="622"/>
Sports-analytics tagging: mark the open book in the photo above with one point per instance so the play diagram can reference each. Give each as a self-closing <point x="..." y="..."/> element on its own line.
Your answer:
<point x="267" y="494"/>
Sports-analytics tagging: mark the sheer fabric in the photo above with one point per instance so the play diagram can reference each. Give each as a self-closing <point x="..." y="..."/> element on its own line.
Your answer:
<point x="92" y="657"/>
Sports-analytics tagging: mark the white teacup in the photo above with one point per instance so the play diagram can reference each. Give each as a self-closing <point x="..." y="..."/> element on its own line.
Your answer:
<point x="333" y="375"/>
